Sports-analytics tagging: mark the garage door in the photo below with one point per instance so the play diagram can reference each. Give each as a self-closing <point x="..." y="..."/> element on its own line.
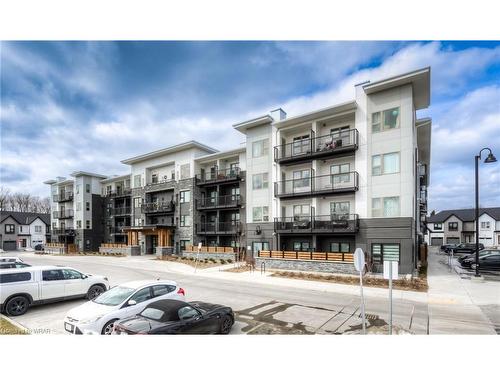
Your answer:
<point x="436" y="241"/>
<point x="9" y="245"/>
<point x="453" y="240"/>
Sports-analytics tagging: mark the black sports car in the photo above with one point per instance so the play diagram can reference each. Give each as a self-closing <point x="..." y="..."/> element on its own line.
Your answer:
<point x="177" y="317"/>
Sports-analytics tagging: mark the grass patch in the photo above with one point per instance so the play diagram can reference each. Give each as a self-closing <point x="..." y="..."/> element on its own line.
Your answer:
<point x="415" y="284"/>
<point x="7" y="328"/>
<point x="202" y="263"/>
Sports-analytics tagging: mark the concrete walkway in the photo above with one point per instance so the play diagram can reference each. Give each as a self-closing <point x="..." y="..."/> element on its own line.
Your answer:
<point x="455" y="299"/>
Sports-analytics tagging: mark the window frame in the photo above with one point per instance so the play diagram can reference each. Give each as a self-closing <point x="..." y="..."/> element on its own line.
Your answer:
<point x="12" y="228"/>
<point x="381" y="123"/>
<point x="438" y="226"/>
<point x="453" y="226"/>
<point x="382" y="163"/>
<point x="382" y="245"/>
<point x="264" y="148"/>
<point x="264" y="181"/>
<point x="182" y="196"/>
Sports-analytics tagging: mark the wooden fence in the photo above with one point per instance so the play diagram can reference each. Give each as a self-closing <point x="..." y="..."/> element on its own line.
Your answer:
<point x="114" y="245"/>
<point x="308" y="255"/>
<point x="211" y="249"/>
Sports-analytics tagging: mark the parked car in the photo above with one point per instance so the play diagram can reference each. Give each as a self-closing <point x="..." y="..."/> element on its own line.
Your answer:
<point x="447" y="247"/>
<point x="9" y="265"/>
<point x="177" y="317"/>
<point x="99" y="315"/>
<point x="21" y="288"/>
<point x="490" y="262"/>
<point x="467" y="248"/>
<point x="481" y="253"/>
<point x="10" y="259"/>
<point x="39" y="247"/>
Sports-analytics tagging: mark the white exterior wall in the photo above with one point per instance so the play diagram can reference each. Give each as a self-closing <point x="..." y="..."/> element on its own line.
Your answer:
<point x="37" y="237"/>
<point x="486" y="236"/>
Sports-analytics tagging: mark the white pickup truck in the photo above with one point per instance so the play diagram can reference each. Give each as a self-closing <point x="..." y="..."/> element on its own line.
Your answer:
<point x="24" y="287"/>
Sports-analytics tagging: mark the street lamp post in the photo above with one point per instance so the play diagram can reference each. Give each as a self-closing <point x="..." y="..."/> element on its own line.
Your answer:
<point x="489" y="159"/>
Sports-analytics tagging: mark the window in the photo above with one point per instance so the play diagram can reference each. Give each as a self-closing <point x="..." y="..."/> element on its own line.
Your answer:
<point x="342" y="134"/>
<point x="301" y="246"/>
<point x="78" y="189"/>
<point x="340" y="247"/>
<point x="340" y="210"/>
<point x="20" y="229"/>
<point x="385" y="164"/>
<point x="260" y="213"/>
<point x="71" y="274"/>
<point x="385" y="120"/>
<point x="160" y="290"/>
<point x="185" y="171"/>
<point x="10" y="228"/>
<point x="38" y="229"/>
<point x="185" y="196"/>
<point x="259" y="181"/>
<point x="340" y="173"/>
<point x="381" y="252"/>
<point x="142" y="295"/>
<point x="137" y="202"/>
<point x="485" y="225"/>
<point x="185" y="221"/>
<point x="87" y="188"/>
<point x="301" y="211"/>
<point x="78" y="206"/>
<point x="154" y="178"/>
<point x="258" y="246"/>
<point x="172" y="174"/>
<point x="87" y="206"/>
<point x="301" y="180"/>
<point x="301" y="145"/>
<point x="137" y="180"/>
<point x="453" y="225"/>
<point x="184" y="244"/>
<point x="52" y="275"/>
<point x="260" y="148"/>
<point x="14" y="277"/>
<point x="78" y="224"/>
<point x="385" y="207"/>
<point x="87" y="224"/>
<point x="187" y="312"/>
<point x="438" y="226"/>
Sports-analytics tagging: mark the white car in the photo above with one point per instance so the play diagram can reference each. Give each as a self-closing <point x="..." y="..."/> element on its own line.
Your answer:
<point x="99" y="315"/>
<point x="21" y="288"/>
<point x="11" y="260"/>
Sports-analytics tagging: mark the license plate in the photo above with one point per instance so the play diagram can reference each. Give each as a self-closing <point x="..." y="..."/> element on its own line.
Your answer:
<point x="68" y="327"/>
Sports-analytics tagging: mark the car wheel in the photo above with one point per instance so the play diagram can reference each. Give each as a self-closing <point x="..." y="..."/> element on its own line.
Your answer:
<point x="94" y="291"/>
<point x="17" y="306"/>
<point x="226" y="324"/>
<point x="108" y="327"/>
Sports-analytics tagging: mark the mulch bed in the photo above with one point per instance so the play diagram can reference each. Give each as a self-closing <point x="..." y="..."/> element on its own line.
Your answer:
<point x="239" y="269"/>
<point x="414" y="284"/>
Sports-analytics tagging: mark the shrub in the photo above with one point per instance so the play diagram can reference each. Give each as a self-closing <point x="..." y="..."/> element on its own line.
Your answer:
<point x="229" y="261"/>
<point x="212" y="260"/>
<point x="222" y="261"/>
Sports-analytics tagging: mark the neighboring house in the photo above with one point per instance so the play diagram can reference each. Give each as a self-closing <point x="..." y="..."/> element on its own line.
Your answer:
<point x="19" y="230"/>
<point x="456" y="226"/>
<point x="317" y="186"/>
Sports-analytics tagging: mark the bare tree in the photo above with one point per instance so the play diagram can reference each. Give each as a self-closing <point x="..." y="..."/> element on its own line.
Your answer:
<point x="4" y="198"/>
<point x="45" y="205"/>
<point x="23" y="202"/>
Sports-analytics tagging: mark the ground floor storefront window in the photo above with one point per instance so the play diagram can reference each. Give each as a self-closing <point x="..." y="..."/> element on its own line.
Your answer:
<point x="381" y="252"/>
<point x="340" y="247"/>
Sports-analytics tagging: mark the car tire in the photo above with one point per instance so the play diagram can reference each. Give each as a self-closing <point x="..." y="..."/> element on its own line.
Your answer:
<point x="226" y="324"/>
<point x="17" y="306"/>
<point x="95" y="291"/>
<point x="108" y="327"/>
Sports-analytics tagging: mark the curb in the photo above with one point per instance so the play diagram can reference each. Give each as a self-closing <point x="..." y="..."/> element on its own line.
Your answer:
<point x="16" y="324"/>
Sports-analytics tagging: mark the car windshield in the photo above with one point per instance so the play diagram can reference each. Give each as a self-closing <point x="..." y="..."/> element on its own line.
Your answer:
<point x="114" y="296"/>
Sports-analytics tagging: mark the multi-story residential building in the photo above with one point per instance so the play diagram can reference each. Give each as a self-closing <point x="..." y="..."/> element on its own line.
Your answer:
<point x="20" y="230"/>
<point x="459" y="226"/>
<point x="303" y="192"/>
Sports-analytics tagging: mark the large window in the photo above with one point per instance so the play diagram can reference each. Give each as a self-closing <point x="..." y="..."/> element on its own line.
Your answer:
<point x="87" y="188"/>
<point x="260" y="148"/>
<point x="301" y="180"/>
<point x="385" y="164"/>
<point x="260" y="181"/>
<point x="301" y="211"/>
<point x="183" y="244"/>
<point x="185" y="221"/>
<point x="381" y="252"/>
<point x="137" y="180"/>
<point x="340" y="210"/>
<point x="340" y="173"/>
<point x="340" y="247"/>
<point x="260" y="213"/>
<point x="38" y="229"/>
<point x="258" y="246"/>
<point x="385" y="120"/>
<point x="438" y="226"/>
<point x="485" y="225"/>
<point x="185" y="171"/>
<point x="185" y="196"/>
<point x="385" y="207"/>
<point x="10" y="228"/>
<point x="301" y="246"/>
<point x="453" y="225"/>
<point x="301" y="145"/>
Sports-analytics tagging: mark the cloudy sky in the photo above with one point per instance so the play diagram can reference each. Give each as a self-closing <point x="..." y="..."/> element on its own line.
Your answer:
<point x="86" y="106"/>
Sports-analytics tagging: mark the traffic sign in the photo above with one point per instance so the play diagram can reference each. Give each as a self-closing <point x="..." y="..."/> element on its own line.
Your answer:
<point x="359" y="259"/>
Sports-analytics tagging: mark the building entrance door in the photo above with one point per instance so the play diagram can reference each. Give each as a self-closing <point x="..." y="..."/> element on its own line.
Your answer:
<point x="151" y="244"/>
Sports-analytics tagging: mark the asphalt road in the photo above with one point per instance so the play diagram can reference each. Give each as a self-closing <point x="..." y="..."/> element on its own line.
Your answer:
<point x="259" y="308"/>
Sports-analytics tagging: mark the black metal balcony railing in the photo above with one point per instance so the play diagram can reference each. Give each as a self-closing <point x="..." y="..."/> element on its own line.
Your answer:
<point x="218" y="175"/>
<point x="333" y="223"/>
<point x="63" y="231"/>
<point x="157" y="207"/>
<point x="217" y="227"/>
<point x="118" y="192"/>
<point x="63" y="214"/>
<point x="317" y="185"/>
<point x="160" y="184"/>
<point x="316" y="147"/>
<point x="118" y="211"/>
<point x="222" y="201"/>
<point x="117" y="230"/>
<point x="64" y="196"/>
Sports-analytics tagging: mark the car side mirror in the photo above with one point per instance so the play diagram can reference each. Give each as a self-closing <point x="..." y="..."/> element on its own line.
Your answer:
<point x="84" y="276"/>
<point x="132" y="302"/>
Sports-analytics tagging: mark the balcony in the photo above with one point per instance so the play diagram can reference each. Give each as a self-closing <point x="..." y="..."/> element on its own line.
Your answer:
<point x="159" y="185"/>
<point x="63" y="197"/>
<point x="63" y="231"/>
<point x="63" y="214"/>
<point x="223" y="201"/>
<point x="118" y="193"/>
<point x="118" y="230"/>
<point x="217" y="176"/>
<point x="317" y="185"/>
<point x="157" y="207"/>
<point x="229" y="227"/>
<point x="340" y="143"/>
<point x="120" y="211"/>
<point x="333" y="224"/>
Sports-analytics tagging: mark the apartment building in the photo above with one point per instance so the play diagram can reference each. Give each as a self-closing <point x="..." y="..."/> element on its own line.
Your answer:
<point x="459" y="226"/>
<point x="21" y="230"/>
<point x="302" y="192"/>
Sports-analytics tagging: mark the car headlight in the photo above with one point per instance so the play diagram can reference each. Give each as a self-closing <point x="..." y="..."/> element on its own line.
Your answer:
<point x="91" y="320"/>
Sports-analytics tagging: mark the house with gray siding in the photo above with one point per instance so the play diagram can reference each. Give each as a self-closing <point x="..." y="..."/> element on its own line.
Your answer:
<point x="20" y="230"/>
